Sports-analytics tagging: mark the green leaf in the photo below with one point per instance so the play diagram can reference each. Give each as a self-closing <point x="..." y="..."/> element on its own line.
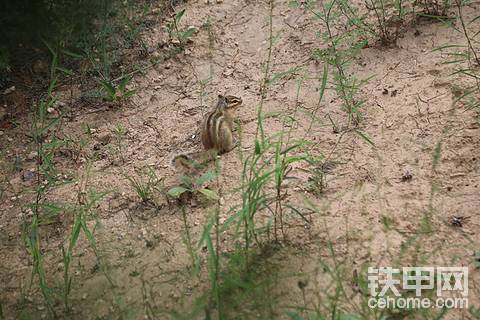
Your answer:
<point x="474" y="312"/>
<point x="293" y="4"/>
<point x="208" y="176"/>
<point x="189" y="33"/>
<point x="282" y="75"/>
<point x="294" y="315"/>
<point x="324" y="81"/>
<point x="108" y="87"/>
<point x="257" y="147"/>
<point x="72" y="54"/>
<point x="186" y="180"/>
<point x="477" y="261"/>
<point x="179" y="16"/>
<point x="176" y="191"/>
<point x="437" y="155"/>
<point x="272" y="114"/>
<point x="205" y="234"/>
<point x="212" y="195"/>
<point x="448" y="46"/>
<point x="74" y="236"/>
<point x="230" y="219"/>
<point x="367" y="139"/>
<point x="123" y="83"/>
<point x="66" y="71"/>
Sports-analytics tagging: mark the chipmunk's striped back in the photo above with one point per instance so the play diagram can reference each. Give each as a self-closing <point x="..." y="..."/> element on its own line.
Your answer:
<point x="216" y="134"/>
<point x="217" y="127"/>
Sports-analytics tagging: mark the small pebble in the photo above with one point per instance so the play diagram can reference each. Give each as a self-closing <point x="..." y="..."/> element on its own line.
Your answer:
<point x="32" y="155"/>
<point x="9" y="90"/>
<point x="28" y="176"/>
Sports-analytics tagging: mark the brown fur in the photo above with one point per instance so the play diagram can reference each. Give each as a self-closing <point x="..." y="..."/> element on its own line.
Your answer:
<point x="216" y="132"/>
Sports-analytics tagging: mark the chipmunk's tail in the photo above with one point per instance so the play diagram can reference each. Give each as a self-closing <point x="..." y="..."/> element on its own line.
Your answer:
<point x="194" y="160"/>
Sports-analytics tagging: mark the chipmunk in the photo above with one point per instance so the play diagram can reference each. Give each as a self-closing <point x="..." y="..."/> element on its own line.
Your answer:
<point x="216" y="132"/>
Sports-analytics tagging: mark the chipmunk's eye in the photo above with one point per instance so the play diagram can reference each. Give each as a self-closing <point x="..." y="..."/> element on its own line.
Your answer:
<point x="233" y="99"/>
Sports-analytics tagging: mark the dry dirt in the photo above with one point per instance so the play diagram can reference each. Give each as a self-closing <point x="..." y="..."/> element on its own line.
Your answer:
<point x="367" y="211"/>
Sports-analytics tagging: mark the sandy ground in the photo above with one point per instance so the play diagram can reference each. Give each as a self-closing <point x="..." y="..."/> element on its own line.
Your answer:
<point x="368" y="212"/>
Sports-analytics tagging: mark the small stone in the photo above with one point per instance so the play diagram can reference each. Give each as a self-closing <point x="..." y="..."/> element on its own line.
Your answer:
<point x="32" y="155"/>
<point x="149" y="243"/>
<point x="84" y="296"/>
<point x="1" y="133"/>
<point x="104" y="137"/>
<point x="40" y="66"/>
<point x="28" y="176"/>
<point x="228" y="72"/>
<point x="50" y="109"/>
<point x="406" y="176"/>
<point x="9" y="90"/>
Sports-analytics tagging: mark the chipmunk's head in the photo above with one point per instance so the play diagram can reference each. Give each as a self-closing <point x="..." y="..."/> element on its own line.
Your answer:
<point x="228" y="102"/>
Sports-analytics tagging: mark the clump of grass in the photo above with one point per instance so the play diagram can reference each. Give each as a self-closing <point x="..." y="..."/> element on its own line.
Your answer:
<point x="45" y="211"/>
<point x="466" y="59"/>
<point x="77" y="146"/>
<point x="341" y="49"/>
<point x="191" y="187"/>
<point x="118" y="148"/>
<point x="264" y="174"/>
<point x="116" y="93"/>
<point x="176" y="32"/>
<point x="435" y="8"/>
<point x="389" y="17"/>
<point x="148" y="186"/>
